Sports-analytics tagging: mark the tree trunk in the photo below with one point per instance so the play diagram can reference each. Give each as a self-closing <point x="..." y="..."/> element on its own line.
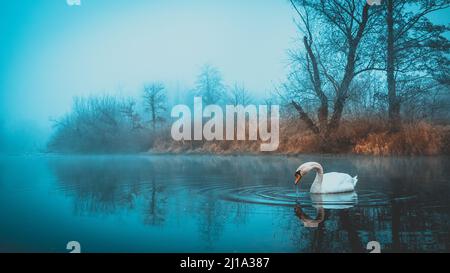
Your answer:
<point x="322" y="113"/>
<point x="349" y="73"/>
<point x="337" y="113"/>
<point x="393" y="100"/>
<point x="342" y="91"/>
<point x="153" y="118"/>
<point x="304" y="116"/>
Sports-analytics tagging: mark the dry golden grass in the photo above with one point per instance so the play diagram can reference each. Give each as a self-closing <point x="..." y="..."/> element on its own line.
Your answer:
<point x="414" y="139"/>
<point x="362" y="136"/>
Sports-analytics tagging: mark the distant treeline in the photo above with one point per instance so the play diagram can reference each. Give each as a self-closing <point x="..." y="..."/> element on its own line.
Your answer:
<point x="100" y="125"/>
<point x="363" y="79"/>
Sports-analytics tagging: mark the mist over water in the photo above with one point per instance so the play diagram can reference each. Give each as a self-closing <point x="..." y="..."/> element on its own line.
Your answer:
<point x="220" y="204"/>
<point x="109" y="55"/>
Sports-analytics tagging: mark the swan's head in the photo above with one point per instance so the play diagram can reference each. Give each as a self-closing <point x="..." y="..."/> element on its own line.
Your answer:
<point x="305" y="168"/>
<point x="307" y="220"/>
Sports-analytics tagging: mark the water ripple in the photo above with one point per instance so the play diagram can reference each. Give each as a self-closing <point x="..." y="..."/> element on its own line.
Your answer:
<point x="285" y="196"/>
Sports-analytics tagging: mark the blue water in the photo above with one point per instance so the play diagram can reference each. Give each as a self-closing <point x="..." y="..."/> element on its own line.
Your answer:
<point x="192" y="203"/>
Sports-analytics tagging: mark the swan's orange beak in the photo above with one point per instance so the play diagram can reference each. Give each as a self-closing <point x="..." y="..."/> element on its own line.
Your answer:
<point x="297" y="178"/>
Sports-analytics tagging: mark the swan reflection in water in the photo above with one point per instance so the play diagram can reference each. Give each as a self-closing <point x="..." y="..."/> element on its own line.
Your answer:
<point x="343" y="200"/>
<point x="321" y="202"/>
<point x="307" y="220"/>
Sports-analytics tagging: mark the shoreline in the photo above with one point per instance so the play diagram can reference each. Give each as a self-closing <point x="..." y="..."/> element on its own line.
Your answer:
<point x="199" y="154"/>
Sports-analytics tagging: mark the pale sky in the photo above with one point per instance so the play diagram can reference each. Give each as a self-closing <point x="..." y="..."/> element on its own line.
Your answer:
<point x="51" y="51"/>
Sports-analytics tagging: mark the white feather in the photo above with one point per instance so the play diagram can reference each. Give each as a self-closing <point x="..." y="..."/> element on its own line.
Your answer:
<point x="332" y="182"/>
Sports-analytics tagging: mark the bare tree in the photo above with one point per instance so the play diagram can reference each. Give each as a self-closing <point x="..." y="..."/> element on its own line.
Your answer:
<point x="155" y="102"/>
<point x="334" y="33"/>
<point x="417" y="51"/>
<point x="129" y="111"/>
<point x="95" y="124"/>
<point x="210" y="85"/>
<point x="239" y="95"/>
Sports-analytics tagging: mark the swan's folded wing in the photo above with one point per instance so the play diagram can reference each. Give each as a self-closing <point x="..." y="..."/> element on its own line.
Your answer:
<point x="337" y="182"/>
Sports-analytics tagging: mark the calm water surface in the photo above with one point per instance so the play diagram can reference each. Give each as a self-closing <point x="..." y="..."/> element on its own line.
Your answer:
<point x="169" y="203"/>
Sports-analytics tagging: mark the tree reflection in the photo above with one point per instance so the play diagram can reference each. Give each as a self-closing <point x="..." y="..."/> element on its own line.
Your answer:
<point x="164" y="191"/>
<point x="102" y="185"/>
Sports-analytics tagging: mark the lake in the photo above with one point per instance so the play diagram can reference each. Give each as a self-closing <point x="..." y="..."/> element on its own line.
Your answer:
<point x="200" y="203"/>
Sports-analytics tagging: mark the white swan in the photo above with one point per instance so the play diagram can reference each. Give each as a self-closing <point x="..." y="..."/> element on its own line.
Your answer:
<point x="326" y="183"/>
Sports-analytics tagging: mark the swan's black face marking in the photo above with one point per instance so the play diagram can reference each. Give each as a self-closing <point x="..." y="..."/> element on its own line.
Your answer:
<point x="298" y="176"/>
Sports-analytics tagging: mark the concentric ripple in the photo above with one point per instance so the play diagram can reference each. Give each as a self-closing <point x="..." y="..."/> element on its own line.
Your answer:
<point x="268" y="195"/>
<point x="287" y="196"/>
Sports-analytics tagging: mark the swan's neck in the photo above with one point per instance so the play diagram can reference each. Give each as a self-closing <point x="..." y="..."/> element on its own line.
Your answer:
<point x="319" y="175"/>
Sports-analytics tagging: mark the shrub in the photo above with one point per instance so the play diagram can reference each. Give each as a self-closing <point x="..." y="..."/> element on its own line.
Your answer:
<point x="414" y="139"/>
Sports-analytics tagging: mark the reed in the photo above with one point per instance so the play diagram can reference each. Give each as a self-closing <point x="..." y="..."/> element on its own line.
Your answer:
<point x="359" y="136"/>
